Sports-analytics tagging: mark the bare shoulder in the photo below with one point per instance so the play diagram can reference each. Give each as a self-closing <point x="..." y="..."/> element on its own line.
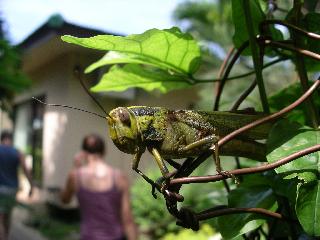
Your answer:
<point x="121" y="179"/>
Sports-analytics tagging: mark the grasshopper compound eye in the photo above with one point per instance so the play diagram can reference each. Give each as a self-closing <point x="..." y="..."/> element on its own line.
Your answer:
<point x="124" y="117"/>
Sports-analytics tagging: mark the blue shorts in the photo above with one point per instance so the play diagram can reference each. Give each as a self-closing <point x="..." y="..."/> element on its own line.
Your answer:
<point x="7" y="199"/>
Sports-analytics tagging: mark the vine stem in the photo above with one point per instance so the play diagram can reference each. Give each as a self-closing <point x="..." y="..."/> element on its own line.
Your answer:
<point x="227" y="72"/>
<point x="289" y="26"/>
<point x="273" y="116"/>
<point x="223" y="66"/>
<point x="244" y="171"/>
<point x="197" y="81"/>
<point x="294" y="49"/>
<point x="227" y="211"/>
<point x="244" y="95"/>
<point x="312" y="115"/>
<point x="257" y="57"/>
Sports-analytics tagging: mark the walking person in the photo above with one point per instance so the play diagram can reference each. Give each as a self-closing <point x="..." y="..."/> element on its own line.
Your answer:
<point x="103" y="195"/>
<point x="10" y="159"/>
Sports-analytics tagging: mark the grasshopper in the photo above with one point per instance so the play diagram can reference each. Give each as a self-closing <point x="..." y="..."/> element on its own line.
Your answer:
<point x="176" y="134"/>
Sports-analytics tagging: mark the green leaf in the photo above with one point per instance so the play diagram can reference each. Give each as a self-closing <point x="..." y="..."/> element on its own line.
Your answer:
<point x="308" y="207"/>
<point x="311" y="23"/>
<point x="168" y="48"/>
<point x="231" y="226"/>
<point x="132" y="75"/>
<point x="286" y="138"/>
<point x="238" y="17"/>
<point x="241" y="34"/>
<point x="288" y="95"/>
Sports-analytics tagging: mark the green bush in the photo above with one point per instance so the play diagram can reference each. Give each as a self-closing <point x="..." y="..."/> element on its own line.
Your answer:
<point x="204" y="233"/>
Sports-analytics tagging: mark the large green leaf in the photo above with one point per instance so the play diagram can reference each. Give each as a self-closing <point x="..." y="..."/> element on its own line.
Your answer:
<point x="232" y="226"/>
<point x="286" y="138"/>
<point x="308" y="207"/>
<point x="168" y="48"/>
<point x="132" y="75"/>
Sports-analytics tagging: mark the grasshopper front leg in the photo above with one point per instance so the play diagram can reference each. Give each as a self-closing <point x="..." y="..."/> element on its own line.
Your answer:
<point x="165" y="176"/>
<point x="163" y="168"/>
<point x="135" y="165"/>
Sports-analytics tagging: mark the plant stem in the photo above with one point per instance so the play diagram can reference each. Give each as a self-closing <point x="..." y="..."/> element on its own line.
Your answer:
<point x="290" y="27"/>
<point x="197" y="81"/>
<point x="222" y="71"/>
<point x="244" y="95"/>
<point x="256" y="56"/>
<point x="227" y="72"/>
<point x="227" y="211"/>
<point x="245" y="171"/>
<point x="311" y="112"/>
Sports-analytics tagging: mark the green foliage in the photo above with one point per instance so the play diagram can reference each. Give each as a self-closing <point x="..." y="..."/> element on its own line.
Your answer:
<point x="241" y="33"/>
<point x="167" y="49"/>
<point x="285" y="96"/>
<point x="308" y="207"/>
<point x="149" y="213"/>
<point x="207" y="20"/>
<point x="294" y="138"/>
<point x="204" y="233"/>
<point x="256" y="193"/>
<point x="155" y="221"/>
<point x="12" y="79"/>
<point x="311" y="23"/>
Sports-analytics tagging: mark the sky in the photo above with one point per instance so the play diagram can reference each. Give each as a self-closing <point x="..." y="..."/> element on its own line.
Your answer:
<point x="22" y="17"/>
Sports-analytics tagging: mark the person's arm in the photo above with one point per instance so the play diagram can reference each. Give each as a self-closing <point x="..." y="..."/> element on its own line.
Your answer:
<point x="126" y="214"/>
<point x="69" y="188"/>
<point x="80" y="159"/>
<point x="26" y="171"/>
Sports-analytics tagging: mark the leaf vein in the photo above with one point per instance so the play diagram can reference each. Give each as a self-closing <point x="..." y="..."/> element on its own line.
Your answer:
<point x="184" y="55"/>
<point x="168" y="49"/>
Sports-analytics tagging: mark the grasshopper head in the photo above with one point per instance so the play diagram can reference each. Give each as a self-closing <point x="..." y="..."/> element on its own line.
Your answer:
<point x="123" y="129"/>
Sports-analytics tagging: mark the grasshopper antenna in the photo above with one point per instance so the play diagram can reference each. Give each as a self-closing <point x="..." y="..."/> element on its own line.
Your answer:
<point x="66" y="106"/>
<point x="77" y="72"/>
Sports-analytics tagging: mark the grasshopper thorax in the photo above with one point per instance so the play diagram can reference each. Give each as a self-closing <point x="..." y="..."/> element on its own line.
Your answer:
<point x="123" y="129"/>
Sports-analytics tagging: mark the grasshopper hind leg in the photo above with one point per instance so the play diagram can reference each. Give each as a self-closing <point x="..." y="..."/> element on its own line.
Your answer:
<point x="216" y="157"/>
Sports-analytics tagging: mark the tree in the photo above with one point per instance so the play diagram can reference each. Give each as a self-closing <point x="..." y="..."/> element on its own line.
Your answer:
<point x="12" y="78"/>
